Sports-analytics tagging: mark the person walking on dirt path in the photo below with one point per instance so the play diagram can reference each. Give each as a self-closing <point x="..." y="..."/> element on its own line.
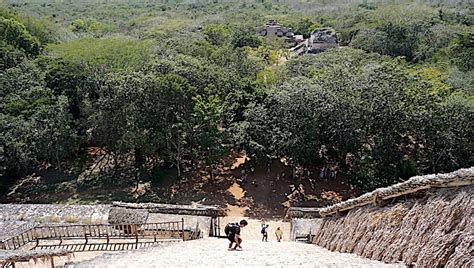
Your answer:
<point x="264" y="233"/>
<point x="243" y="177"/>
<point x="232" y="231"/>
<point x="279" y="234"/>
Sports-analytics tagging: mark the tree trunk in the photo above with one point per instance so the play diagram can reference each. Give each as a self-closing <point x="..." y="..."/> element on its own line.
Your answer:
<point x="115" y="164"/>
<point x="178" y="167"/>
<point x="57" y="160"/>
<point x="137" y="178"/>
<point x="212" y="173"/>
<point x="138" y="165"/>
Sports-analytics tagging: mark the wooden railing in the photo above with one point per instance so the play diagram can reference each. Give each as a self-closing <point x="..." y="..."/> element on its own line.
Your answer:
<point x="150" y="231"/>
<point x="19" y="240"/>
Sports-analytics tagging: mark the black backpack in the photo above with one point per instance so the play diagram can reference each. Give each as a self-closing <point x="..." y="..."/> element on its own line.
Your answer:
<point x="229" y="228"/>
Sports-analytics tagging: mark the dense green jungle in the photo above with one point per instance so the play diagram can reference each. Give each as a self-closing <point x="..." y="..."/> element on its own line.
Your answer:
<point x="113" y="94"/>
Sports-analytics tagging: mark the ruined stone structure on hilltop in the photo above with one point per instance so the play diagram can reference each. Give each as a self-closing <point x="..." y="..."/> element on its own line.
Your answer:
<point x="274" y="29"/>
<point x="322" y="39"/>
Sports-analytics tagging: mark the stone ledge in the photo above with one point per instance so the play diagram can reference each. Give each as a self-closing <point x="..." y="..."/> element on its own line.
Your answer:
<point x="197" y="210"/>
<point x="302" y="212"/>
<point x="461" y="177"/>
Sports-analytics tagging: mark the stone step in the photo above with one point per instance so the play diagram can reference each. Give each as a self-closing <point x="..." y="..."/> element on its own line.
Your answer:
<point x="212" y="252"/>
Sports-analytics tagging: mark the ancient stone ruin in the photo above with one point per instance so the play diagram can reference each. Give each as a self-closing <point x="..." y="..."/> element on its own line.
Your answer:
<point x="322" y="39"/>
<point x="274" y="29"/>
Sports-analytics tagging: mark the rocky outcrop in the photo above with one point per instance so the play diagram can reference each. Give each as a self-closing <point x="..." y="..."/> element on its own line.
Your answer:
<point x="429" y="224"/>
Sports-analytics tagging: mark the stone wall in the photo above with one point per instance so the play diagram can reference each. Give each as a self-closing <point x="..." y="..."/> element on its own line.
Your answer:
<point x="195" y="210"/>
<point x="194" y="215"/>
<point x="118" y="215"/>
<point x="427" y="221"/>
<point x="302" y="226"/>
<point x="13" y="227"/>
<point x="54" y="212"/>
<point x="415" y="184"/>
<point x="302" y="212"/>
<point x="190" y="221"/>
<point x="16" y="218"/>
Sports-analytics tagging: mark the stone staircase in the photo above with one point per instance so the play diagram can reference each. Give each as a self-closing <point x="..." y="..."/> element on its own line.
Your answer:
<point x="212" y="252"/>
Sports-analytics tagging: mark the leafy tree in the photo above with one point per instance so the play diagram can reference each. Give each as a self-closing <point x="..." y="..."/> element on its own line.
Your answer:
<point x="389" y="39"/>
<point x="217" y="34"/>
<point x="463" y="52"/>
<point x="266" y="78"/>
<point x="305" y="26"/>
<point x="112" y="53"/>
<point x="14" y="33"/>
<point x="116" y="123"/>
<point x="90" y="26"/>
<point x="35" y="124"/>
<point x="245" y="37"/>
<point x="10" y="56"/>
<point x="358" y="105"/>
<point x="208" y="137"/>
<point x="443" y="131"/>
<point x="144" y="114"/>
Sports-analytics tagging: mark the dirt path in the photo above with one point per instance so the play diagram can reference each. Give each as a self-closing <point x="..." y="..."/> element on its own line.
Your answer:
<point x="238" y="193"/>
<point x="236" y="213"/>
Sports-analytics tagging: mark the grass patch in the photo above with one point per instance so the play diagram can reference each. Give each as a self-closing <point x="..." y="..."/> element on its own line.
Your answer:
<point x="71" y="219"/>
<point x="53" y="219"/>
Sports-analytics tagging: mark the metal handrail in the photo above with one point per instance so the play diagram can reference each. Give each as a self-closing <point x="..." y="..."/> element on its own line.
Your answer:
<point x="146" y="230"/>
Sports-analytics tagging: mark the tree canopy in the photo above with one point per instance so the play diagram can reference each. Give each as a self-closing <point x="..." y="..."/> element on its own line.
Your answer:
<point x="182" y="83"/>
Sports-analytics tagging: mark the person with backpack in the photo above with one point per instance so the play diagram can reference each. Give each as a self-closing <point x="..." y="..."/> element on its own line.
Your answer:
<point x="232" y="231"/>
<point x="264" y="233"/>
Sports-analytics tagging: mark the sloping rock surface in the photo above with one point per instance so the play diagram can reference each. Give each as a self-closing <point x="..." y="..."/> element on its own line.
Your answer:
<point x="434" y="230"/>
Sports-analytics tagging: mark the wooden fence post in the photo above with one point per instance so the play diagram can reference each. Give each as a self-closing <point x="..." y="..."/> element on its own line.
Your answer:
<point x="182" y="228"/>
<point x="136" y="236"/>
